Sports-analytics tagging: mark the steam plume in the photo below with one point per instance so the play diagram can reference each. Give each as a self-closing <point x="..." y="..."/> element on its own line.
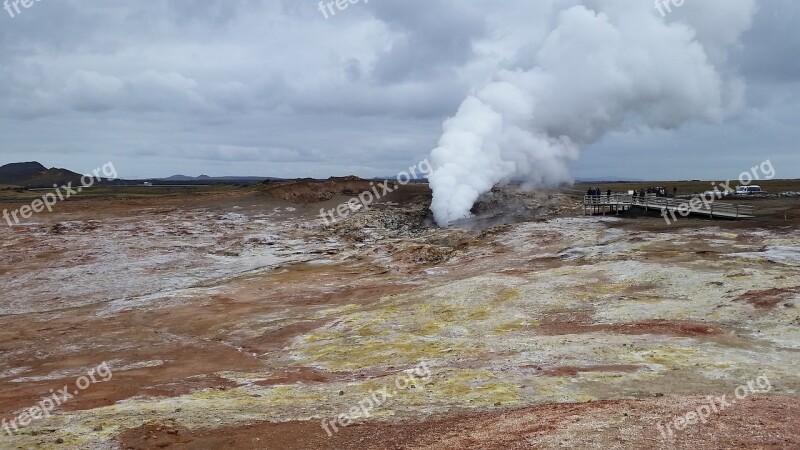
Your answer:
<point x="604" y="66"/>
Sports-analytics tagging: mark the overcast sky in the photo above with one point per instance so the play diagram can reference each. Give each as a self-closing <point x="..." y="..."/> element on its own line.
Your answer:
<point x="273" y="88"/>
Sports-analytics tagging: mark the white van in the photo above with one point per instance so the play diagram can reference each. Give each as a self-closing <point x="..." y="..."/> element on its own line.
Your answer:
<point x="749" y="190"/>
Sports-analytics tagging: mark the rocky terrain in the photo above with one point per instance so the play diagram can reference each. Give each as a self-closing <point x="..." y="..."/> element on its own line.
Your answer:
<point x="242" y="320"/>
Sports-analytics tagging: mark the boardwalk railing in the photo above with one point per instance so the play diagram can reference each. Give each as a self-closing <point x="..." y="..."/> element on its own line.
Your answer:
<point x="691" y="206"/>
<point x="605" y="199"/>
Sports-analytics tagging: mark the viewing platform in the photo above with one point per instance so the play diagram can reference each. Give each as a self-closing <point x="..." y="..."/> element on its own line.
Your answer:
<point x="613" y="204"/>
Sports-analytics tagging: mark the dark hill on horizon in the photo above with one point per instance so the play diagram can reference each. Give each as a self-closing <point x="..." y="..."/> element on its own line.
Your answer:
<point x="19" y="172"/>
<point x="232" y="179"/>
<point x="188" y="178"/>
<point x="34" y="174"/>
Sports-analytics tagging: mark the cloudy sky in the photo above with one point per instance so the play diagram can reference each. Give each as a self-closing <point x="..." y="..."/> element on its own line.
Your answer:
<point x="274" y="88"/>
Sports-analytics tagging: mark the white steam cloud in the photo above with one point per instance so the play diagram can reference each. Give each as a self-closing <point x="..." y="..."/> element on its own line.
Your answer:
<point x="606" y="65"/>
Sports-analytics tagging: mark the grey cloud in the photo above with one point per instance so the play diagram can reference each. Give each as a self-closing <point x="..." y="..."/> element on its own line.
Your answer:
<point x="434" y="38"/>
<point x="773" y="44"/>
<point x="249" y="86"/>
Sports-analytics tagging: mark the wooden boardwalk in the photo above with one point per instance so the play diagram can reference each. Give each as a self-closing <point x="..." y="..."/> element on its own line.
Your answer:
<point x="615" y="203"/>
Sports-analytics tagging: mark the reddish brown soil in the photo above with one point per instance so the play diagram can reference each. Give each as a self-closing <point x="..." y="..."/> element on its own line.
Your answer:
<point x="572" y="371"/>
<point x="190" y="344"/>
<point x="769" y="298"/>
<point x="194" y="343"/>
<point x="663" y="327"/>
<point x="309" y="375"/>
<point x="308" y="191"/>
<point x="766" y="422"/>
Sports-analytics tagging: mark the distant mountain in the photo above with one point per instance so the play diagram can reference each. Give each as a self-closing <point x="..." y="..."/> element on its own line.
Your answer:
<point x="607" y="180"/>
<point x="34" y="174"/>
<point x="208" y="179"/>
<point x="54" y="176"/>
<point x="16" y="173"/>
<point x="201" y="177"/>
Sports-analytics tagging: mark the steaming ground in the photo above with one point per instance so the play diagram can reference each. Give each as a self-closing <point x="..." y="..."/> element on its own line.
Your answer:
<point x="239" y="320"/>
<point x="607" y="66"/>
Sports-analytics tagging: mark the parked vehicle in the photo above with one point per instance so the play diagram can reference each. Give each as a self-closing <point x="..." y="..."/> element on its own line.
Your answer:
<point x="749" y="190"/>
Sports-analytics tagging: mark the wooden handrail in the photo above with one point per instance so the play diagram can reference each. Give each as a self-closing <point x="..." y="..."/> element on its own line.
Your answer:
<point x="652" y="201"/>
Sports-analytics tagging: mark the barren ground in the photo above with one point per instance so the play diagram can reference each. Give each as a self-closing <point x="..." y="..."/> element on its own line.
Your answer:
<point x="237" y="319"/>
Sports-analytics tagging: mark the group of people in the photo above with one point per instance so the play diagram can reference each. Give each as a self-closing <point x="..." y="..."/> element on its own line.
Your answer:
<point x="596" y="193"/>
